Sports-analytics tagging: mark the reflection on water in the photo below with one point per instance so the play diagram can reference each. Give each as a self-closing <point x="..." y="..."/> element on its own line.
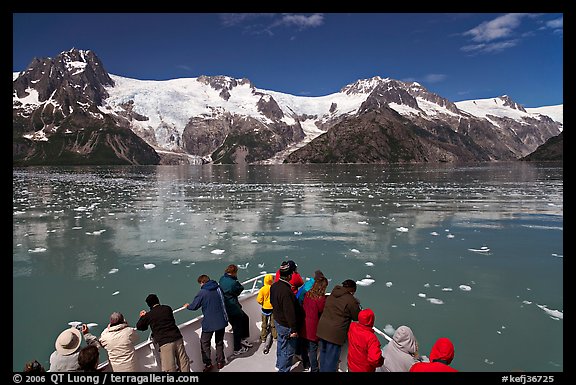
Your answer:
<point x="412" y="236"/>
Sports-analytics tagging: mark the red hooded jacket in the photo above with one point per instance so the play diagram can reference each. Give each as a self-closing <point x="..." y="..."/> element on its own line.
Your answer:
<point x="441" y="356"/>
<point x="364" y="349"/>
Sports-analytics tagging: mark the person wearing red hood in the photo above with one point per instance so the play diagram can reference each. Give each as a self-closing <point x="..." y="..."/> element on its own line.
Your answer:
<point x="441" y="356"/>
<point x="364" y="350"/>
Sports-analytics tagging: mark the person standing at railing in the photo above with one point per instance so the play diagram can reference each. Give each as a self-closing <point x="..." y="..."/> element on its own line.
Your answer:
<point x="402" y="352"/>
<point x="215" y="320"/>
<point x="263" y="298"/>
<point x="341" y="309"/>
<point x="364" y="349"/>
<point x="288" y="316"/>
<point x="314" y="302"/>
<point x="296" y="281"/>
<point x="239" y="320"/>
<point x="165" y="333"/>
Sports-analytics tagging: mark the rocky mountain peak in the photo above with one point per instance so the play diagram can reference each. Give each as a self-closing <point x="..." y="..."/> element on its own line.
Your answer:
<point x="72" y="76"/>
<point x="224" y="84"/>
<point x="364" y="86"/>
<point x="511" y="103"/>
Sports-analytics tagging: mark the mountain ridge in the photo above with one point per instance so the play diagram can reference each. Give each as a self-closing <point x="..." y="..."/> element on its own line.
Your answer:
<point x="198" y="118"/>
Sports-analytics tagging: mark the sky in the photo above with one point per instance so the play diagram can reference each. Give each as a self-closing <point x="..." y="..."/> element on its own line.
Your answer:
<point x="459" y="56"/>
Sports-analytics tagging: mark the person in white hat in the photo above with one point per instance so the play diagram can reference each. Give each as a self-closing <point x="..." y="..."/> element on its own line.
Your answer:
<point x="65" y="357"/>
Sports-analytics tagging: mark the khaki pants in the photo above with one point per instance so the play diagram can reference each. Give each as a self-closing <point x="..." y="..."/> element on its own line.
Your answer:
<point x="174" y="353"/>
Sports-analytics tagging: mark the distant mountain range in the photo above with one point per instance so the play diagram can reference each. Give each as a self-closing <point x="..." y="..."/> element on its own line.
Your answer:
<point x="69" y="110"/>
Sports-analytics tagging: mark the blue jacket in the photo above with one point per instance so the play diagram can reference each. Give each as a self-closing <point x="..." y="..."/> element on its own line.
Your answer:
<point x="231" y="289"/>
<point x="212" y="302"/>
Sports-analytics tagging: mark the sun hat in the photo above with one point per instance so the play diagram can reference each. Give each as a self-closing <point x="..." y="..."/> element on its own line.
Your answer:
<point x="68" y="341"/>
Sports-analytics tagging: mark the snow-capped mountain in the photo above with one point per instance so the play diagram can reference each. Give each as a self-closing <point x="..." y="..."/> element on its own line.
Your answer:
<point x="226" y="120"/>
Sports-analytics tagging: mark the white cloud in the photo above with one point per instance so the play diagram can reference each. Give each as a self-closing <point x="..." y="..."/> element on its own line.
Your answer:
<point x="434" y="78"/>
<point x="255" y="23"/>
<point x="490" y="48"/>
<point x="500" y="27"/>
<point x="556" y="23"/>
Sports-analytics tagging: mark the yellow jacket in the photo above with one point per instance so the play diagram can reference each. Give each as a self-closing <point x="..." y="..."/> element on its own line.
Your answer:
<point x="263" y="297"/>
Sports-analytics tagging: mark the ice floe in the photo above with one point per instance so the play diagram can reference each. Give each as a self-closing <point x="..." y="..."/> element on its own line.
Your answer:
<point x="116" y="292"/>
<point x="369" y="264"/>
<point x="388" y="284"/>
<point x="355" y="250"/>
<point x="554" y="314"/>
<point x="435" y="301"/>
<point x="149" y="265"/>
<point x="218" y="251"/>
<point x="389" y="329"/>
<point x="240" y="266"/>
<point x="464" y="287"/>
<point x="483" y="249"/>
<point x="113" y="271"/>
<point x="402" y="229"/>
<point x="421" y="295"/>
<point x="176" y="261"/>
<point x="365" y="282"/>
<point x="37" y="250"/>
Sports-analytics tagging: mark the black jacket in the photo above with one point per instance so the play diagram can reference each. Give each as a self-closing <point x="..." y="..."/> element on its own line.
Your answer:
<point x="162" y="323"/>
<point x="285" y="307"/>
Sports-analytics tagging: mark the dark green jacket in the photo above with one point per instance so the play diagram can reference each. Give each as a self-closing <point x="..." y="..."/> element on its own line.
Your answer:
<point x="231" y="289"/>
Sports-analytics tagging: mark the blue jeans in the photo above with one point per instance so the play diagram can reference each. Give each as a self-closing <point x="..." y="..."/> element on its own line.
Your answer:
<point x="329" y="356"/>
<point x="285" y="348"/>
<point x="313" y="355"/>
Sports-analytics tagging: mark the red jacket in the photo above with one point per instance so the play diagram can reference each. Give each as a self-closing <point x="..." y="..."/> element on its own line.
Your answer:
<point x="441" y="356"/>
<point x="364" y="350"/>
<point x="296" y="281"/>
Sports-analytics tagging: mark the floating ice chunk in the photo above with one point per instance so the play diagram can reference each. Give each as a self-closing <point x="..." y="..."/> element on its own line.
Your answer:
<point x="91" y="325"/>
<point x="388" y="284"/>
<point x="435" y="301"/>
<point x="297" y="232"/>
<point x="74" y="323"/>
<point x="362" y="223"/>
<point x="37" y="250"/>
<point x="413" y="304"/>
<point x="365" y="282"/>
<point x="176" y="261"/>
<point x="243" y="266"/>
<point x="450" y="236"/>
<point x="434" y="233"/>
<point x="261" y="265"/>
<point x="483" y="249"/>
<point x="557" y="255"/>
<point x="355" y="250"/>
<point x="369" y="264"/>
<point x="421" y="295"/>
<point x="112" y="271"/>
<point x="149" y="265"/>
<point x="527" y="302"/>
<point x="368" y="276"/>
<point x="254" y="241"/>
<point x="464" y="287"/>
<point x="151" y="241"/>
<point x="402" y="229"/>
<point x="426" y="285"/>
<point x="116" y="292"/>
<point x="552" y="313"/>
<point x="446" y="289"/>
<point x="389" y="329"/>
<point x="218" y="251"/>
<point x="487" y="361"/>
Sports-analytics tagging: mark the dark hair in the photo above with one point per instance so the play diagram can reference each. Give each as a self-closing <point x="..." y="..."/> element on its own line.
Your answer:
<point x="203" y="278"/>
<point x="152" y="300"/>
<point x="34" y="367"/>
<point x="88" y="358"/>
<point x="350" y="284"/>
<point x="231" y="269"/>
<point x="318" y="289"/>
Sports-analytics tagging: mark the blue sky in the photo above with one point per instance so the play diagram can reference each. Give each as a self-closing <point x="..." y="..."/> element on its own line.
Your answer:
<point x="458" y="56"/>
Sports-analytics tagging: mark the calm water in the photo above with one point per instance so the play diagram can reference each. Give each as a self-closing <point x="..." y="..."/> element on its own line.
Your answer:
<point x="83" y="235"/>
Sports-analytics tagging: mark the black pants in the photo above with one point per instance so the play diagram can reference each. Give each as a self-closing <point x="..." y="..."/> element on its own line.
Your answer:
<point x="240" y="328"/>
<point x="205" y="348"/>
